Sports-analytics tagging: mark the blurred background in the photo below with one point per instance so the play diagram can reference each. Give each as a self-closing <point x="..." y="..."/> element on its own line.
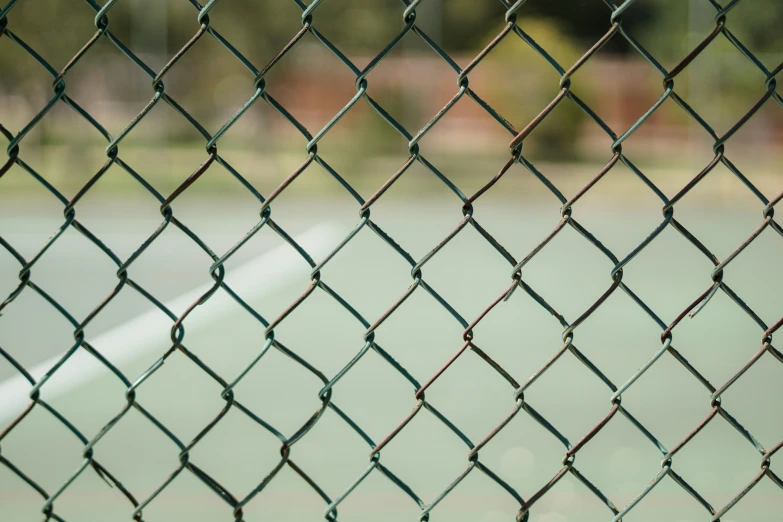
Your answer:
<point x="412" y="84"/>
<point x="469" y="147"/>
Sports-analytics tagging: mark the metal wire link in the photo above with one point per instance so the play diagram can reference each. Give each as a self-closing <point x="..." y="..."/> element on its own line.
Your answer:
<point x="261" y="90"/>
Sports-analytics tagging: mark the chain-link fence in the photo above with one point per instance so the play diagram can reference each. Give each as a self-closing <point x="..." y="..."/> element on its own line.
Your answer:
<point x="263" y="92"/>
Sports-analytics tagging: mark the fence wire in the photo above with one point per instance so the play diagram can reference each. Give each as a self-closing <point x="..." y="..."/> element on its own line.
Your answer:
<point x="263" y="93"/>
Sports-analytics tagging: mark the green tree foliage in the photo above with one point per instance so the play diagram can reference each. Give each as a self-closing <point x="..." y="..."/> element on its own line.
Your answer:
<point x="58" y="28"/>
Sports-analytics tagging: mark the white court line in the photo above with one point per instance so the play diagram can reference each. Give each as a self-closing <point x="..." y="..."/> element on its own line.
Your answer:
<point x="149" y="331"/>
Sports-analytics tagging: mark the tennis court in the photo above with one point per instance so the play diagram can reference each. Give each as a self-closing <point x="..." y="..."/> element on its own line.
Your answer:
<point x="421" y="336"/>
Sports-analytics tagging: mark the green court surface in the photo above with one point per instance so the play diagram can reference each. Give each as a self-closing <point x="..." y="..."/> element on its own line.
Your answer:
<point x="570" y="273"/>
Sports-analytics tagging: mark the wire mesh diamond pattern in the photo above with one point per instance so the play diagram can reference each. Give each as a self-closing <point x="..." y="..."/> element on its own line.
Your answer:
<point x="263" y="92"/>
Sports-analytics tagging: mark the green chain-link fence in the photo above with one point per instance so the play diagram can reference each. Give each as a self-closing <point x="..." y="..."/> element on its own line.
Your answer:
<point x="263" y="93"/>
